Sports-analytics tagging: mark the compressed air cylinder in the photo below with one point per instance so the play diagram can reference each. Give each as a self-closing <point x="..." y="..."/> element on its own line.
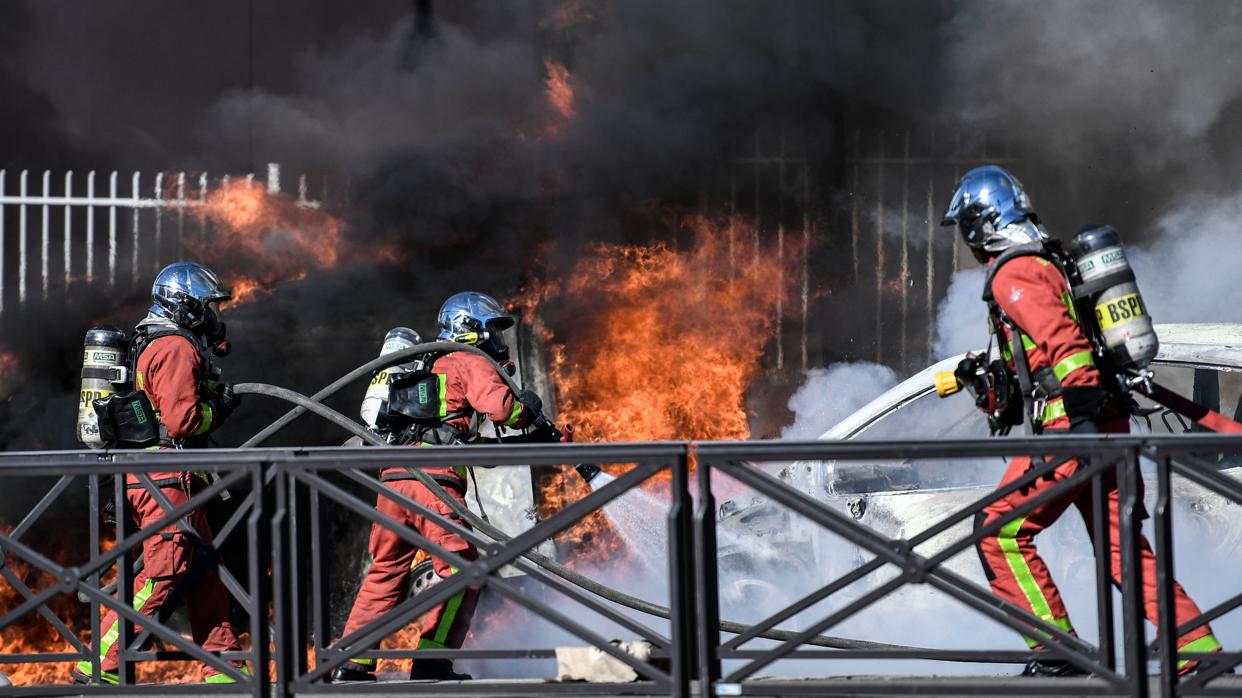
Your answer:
<point x="103" y="370"/>
<point x="397" y="339"/>
<point x="1121" y="317"/>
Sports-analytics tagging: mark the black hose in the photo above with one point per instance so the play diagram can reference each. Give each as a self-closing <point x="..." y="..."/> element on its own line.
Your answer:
<point x="637" y="604"/>
<point x="367" y="369"/>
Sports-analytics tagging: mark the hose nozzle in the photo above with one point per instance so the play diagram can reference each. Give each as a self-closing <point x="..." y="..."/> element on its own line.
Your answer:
<point x="946" y="383"/>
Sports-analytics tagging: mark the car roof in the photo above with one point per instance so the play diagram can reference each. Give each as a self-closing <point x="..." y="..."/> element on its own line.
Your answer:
<point x="1200" y="345"/>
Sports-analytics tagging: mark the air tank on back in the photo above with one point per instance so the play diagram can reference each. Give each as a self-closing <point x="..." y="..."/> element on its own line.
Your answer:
<point x="397" y="339"/>
<point x="103" y="370"/>
<point x="1108" y="284"/>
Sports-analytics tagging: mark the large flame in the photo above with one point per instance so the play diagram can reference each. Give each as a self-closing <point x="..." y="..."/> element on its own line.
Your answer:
<point x="33" y="634"/>
<point x="649" y="342"/>
<point x="653" y="343"/>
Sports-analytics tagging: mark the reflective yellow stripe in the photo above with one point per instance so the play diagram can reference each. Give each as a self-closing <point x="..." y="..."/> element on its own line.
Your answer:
<point x="515" y="414"/>
<point x="1068" y="300"/>
<point x="1207" y="643"/>
<point x="225" y="678"/>
<point x="442" y="408"/>
<point x="110" y="635"/>
<point x="1062" y="623"/>
<point x="1007" y="538"/>
<point x="1007" y="350"/>
<point x="1054" y="410"/>
<point x="208" y="418"/>
<point x="1072" y="363"/>
<point x="138" y="382"/>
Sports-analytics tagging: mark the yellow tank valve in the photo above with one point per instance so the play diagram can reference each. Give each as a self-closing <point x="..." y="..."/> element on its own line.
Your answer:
<point x="946" y="383"/>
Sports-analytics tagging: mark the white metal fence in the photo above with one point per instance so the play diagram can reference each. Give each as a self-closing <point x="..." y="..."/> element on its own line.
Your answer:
<point x="136" y="232"/>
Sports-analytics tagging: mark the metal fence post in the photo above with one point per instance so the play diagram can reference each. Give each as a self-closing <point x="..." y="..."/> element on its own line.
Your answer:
<point x="1102" y="533"/>
<point x="94" y="578"/>
<point x="267" y="532"/>
<point x="321" y="613"/>
<point x="124" y="587"/>
<point x="681" y="584"/>
<point x="1130" y="527"/>
<point x="707" y="596"/>
<point x="1167" y="625"/>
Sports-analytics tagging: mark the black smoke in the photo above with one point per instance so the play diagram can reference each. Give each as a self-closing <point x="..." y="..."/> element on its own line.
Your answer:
<point x="434" y="131"/>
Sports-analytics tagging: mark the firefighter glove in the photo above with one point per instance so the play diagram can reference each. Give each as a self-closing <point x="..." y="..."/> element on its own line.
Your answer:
<point x="223" y="404"/>
<point x="531" y="401"/>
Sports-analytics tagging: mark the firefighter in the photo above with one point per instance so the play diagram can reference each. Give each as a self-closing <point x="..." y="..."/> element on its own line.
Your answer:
<point x="1026" y="286"/>
<point x="171" y="354"/>
<point x="472" y="388"/>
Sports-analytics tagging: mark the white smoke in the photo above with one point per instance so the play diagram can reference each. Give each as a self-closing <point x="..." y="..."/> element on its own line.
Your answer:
<point x="961" y="318"/>
<point x="832" y="394"/>
<point x="1190" y="274"/>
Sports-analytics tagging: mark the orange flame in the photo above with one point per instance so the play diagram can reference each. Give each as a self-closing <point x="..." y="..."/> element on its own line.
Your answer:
<point x="33" y="634"/>
<point x="648" y="342"/>
<point x="672" y="340"/>
<point x="261" y="239"/>
<point x="560" y="89"/>
<point x="567" y="15"/>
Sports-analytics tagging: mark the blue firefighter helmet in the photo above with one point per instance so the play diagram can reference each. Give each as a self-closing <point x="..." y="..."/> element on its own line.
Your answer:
<point x="183" y="293"/>
<point x="987" y="201"/>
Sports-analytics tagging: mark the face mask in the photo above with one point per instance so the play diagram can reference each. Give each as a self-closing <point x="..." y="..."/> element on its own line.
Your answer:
<point x="214" y="331"/>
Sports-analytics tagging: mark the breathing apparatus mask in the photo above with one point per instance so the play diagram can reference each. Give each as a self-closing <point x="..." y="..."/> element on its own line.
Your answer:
<point x="490" y="340"/>
<point x="203" y="319"/>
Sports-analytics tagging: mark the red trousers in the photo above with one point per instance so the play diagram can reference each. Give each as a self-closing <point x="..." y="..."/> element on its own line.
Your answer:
<point x="387" y="581"/>
<point x="1018" y="574"/>
<point x="170" y="568"/>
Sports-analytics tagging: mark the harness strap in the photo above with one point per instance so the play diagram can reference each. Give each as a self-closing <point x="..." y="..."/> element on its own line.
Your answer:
<point x="161" y="484"/>
<point x="447" y="480"/>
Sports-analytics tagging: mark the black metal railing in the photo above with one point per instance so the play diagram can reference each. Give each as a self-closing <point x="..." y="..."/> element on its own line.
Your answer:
<point x="280" y="497"/>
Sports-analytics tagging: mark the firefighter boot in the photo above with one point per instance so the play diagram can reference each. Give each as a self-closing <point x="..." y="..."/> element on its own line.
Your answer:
<point x="354" y="671"/>
<point x="1054" y="668"/>
<point x="83" y="677"/>
<point x="435" y="670"/>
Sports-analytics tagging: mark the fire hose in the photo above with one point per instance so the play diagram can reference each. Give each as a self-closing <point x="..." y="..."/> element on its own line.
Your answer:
<point x="314" y="404"/>
<point x="311" y="405"/>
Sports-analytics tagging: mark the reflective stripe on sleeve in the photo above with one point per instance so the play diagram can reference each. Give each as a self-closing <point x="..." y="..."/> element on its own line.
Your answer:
<point x="442" y="407"/>
<point x="515" y="414"/>
<point x="1072" y="363"/>
<point x="208" y="418"/>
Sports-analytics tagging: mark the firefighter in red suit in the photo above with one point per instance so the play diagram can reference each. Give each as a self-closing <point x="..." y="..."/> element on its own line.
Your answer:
<point x="471" y="389"/>
<point x="1024" y="286"/>
<point x="172" y="350"/>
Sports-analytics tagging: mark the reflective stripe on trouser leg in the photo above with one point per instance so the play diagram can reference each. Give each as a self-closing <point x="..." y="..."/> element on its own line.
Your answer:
<point x="445" y="625"/>
<point x="1007" y="538"/>
<point x="110" y="635"/>
<point x="1207" y="643"/>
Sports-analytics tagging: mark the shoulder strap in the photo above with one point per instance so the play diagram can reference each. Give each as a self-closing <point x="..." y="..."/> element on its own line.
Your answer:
<point x="1030" y="249"/>
<point x="144" y="335"/>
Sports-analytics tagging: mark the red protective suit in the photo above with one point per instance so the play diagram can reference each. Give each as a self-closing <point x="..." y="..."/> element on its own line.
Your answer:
<point x="471" y="386"/>
<point x="1033" y="293"/>
<point x="170" y="371"/>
